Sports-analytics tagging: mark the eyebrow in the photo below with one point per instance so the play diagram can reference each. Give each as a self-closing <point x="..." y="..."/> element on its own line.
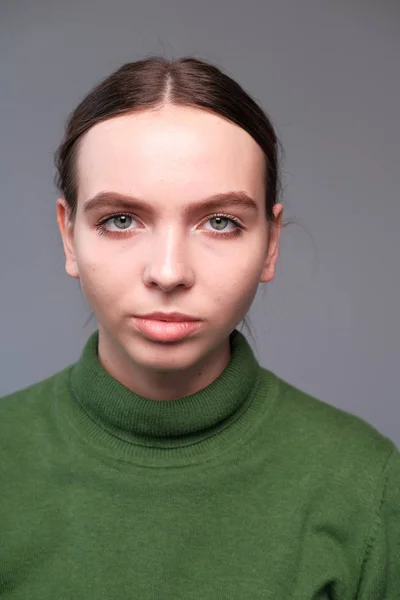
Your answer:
<point x="108" y="199"/>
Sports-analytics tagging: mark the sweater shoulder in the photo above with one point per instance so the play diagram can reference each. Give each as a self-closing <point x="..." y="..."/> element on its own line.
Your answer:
<point x="327" y="429"/>
<point x="35" y="389"/>
<point x="27" y="406"/>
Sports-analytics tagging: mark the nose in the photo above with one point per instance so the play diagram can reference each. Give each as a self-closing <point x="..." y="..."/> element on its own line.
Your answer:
<point x="168" y="264"/>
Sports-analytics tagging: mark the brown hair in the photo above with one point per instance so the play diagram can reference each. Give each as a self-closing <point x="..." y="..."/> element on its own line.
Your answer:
<point x="149" y="84"/>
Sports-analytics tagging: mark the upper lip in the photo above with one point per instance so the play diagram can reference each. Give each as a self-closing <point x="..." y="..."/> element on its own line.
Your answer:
<point x="171" y="316"/>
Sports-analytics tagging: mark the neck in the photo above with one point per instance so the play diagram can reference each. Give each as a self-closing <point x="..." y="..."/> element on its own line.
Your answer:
<point x="161" y="384"/>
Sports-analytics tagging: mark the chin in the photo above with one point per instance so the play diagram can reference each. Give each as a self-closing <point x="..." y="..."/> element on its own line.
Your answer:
<point x="165" y="356"/>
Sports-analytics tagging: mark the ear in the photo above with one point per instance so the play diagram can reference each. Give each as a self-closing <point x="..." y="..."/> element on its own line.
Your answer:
<point x="67" y="235"/>
<point x="268" y="271"/>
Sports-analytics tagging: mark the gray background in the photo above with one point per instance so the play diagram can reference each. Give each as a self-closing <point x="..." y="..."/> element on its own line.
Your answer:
<point x="328" y="75"/>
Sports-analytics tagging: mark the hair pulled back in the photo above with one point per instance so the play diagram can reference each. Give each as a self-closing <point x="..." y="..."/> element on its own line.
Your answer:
<point x="153" y="82"/>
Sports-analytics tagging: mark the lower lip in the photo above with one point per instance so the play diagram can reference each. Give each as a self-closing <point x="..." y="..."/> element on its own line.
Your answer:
<point x="166" y="331"/>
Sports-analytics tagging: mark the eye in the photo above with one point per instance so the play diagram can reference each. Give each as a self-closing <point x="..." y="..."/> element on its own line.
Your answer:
<point x="119" y="219"/>
<point x="221" y="222"/>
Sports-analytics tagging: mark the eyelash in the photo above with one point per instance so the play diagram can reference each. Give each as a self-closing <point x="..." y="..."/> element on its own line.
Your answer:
<point x="102" y="229"/>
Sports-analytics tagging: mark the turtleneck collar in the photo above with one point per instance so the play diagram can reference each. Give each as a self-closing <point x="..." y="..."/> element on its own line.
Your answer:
<point x="115" y="415"/>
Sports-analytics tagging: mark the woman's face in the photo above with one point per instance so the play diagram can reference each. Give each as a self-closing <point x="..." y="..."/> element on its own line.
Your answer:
<point x="169" y="252"/>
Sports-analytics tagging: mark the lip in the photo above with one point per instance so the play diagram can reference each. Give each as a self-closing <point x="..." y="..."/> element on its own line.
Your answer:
<point x="166" y="331"/>
<point x="174" y="317"/>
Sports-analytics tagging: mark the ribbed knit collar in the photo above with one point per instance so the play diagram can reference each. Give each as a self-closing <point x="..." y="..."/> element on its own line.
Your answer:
<point x="111" y="407"/>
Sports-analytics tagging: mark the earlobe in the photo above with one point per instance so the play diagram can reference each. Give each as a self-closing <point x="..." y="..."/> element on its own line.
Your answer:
<point x="67" y="236"/>
<point x="268" y="271"/>
<point x="267" y="274"/>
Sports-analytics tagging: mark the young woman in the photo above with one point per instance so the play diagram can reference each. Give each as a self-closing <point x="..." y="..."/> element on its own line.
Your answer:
<point x="166" y="462"/>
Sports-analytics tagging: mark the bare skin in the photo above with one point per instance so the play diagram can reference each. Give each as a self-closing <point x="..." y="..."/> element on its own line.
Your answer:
<point x="169" y="255"/>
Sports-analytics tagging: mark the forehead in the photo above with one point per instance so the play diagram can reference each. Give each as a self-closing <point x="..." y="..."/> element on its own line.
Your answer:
<point x="177" y="150"/>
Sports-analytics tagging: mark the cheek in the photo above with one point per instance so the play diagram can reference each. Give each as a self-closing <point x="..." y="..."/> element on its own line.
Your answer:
<point x="103" y="279"/>
<point x="96" y="260"/>
<point x="234" y="283"/>
<point x="237" y="266"/>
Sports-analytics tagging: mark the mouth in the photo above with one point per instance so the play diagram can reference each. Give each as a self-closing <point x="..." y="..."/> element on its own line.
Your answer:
<point x="174" y="317"/>
<point x="162" y="330"/>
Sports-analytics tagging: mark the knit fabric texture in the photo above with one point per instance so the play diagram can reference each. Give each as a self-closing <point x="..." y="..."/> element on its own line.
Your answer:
<point x="247" y="489"/>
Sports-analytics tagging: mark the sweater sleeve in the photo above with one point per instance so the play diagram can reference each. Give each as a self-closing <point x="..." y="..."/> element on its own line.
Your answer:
<point x="380" y="579"/>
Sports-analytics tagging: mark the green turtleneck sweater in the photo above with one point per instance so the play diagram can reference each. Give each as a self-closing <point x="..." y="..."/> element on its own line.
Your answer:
<point x="248" y="489"/>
